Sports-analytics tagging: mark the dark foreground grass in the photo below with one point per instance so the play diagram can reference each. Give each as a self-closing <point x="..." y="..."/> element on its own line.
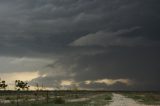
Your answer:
<point x="65" y="104"/>
<point x="100" y="100"/>
<point x="146" y="98"/>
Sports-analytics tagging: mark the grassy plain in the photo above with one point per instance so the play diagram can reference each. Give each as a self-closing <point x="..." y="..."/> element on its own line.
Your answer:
<point x="58" y="98"/>
<point x="149" y="98"/>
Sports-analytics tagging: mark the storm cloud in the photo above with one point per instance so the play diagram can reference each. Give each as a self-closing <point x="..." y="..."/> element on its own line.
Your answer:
<point x="83" y="40"/>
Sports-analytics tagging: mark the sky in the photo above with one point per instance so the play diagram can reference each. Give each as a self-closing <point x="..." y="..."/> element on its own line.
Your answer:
<point x="84" y="44"/>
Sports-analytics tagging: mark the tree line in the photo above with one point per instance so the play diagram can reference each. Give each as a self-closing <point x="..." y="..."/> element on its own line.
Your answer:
<point x="19" y="85"/>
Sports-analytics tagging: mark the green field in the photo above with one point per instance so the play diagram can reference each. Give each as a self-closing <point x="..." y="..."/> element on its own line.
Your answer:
<point x="56" y="99"/>
<point x="149" y="98"/>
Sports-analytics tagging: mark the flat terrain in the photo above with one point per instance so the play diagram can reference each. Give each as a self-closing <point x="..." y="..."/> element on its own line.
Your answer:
<point x="78" y="98"/>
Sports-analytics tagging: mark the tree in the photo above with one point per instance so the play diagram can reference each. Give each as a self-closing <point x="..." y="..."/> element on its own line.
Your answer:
<point x="3" y="84"/>
<point x="21" y="85"/>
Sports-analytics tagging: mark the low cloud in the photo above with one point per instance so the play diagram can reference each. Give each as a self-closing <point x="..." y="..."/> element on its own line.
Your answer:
<point x="110" y="81"/>
<point x="108" y="39"/>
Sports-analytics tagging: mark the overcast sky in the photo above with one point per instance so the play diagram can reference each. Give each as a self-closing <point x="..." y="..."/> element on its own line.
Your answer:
<point x="91" y="44"/>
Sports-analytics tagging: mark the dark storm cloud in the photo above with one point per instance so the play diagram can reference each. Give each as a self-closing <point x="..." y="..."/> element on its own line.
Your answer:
<point x="89" y="39"/>
<point x="138" y="64"/>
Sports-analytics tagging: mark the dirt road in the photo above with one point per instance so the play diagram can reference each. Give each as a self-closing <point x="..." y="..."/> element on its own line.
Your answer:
<point x="120" y="100"/>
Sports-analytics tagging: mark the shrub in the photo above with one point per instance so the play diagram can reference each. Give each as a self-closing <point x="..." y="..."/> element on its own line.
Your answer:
<point x="77" y="96"/>
<point x="59" y="100"/>
<point x="7" y="98"/>
<point x="12" y="102"/>
<point x="108" y="97"/>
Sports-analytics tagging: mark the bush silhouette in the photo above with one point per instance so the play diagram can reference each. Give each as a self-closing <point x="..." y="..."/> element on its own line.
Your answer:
<point x="21" y="85"/>
<point x="3" y="85"/>
<point x="59" y="100"/>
